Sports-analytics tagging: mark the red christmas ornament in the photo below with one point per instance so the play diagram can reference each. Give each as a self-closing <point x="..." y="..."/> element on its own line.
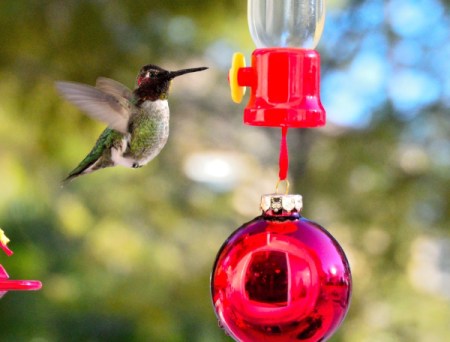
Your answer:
<point x="281" y="277"/>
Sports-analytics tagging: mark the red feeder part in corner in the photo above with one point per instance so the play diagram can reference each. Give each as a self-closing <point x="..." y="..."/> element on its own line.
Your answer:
<point x="13" y="285"/>
<point x="285" y="87"/>
<point x="16" y="285"/>
<point x="281" y="277"/>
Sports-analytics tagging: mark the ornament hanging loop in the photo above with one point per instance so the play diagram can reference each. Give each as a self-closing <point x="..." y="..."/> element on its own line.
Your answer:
<point x="286" y="189"/>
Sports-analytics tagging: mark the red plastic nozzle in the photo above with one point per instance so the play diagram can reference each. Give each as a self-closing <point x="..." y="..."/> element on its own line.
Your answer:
<point x="16" y="285"/>
<point x="13" y="285"/>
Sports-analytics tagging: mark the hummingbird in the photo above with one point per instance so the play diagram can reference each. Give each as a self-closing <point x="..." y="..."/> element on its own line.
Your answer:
<point x="138" y="120"/>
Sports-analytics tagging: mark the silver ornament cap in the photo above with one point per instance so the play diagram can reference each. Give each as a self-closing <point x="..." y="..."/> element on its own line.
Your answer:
<point x="281" y="204"/>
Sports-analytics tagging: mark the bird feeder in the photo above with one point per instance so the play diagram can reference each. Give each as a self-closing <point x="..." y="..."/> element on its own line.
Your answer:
<point x="281" y="277"/>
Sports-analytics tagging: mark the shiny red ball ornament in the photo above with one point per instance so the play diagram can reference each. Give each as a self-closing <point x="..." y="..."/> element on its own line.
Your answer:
<point x="281" y="277"/>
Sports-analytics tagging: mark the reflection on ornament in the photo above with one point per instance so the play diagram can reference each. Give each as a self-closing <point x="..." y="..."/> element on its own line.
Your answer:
<point x="281" y="277"/>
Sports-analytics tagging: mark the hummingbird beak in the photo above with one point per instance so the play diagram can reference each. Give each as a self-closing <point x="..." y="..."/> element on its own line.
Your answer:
<point x="173" y="74"/>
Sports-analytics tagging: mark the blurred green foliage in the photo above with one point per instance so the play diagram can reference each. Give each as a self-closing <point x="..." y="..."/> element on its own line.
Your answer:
<point x="125" y="255"/>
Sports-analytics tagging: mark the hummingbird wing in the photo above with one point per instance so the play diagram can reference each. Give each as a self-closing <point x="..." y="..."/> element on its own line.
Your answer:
<point x="113" y="110"/>
<point x="113" y="88"/>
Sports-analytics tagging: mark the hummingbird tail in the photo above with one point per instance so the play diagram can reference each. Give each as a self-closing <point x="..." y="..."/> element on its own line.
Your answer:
<point x="87" y="166"/>
<point x="69" y="178"/>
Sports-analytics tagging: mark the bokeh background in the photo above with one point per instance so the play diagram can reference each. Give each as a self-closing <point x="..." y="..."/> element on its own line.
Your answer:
<point x="125" y="255"/>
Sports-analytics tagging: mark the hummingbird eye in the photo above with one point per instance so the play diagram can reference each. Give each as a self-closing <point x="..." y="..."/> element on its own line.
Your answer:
<point x="144" y="76"/>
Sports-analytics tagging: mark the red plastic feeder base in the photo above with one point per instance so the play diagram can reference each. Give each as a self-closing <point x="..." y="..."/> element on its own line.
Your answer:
<point x="285" y="88"/>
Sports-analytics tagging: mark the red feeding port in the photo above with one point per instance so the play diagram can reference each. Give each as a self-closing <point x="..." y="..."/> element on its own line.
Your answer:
<point x="13" y="285"/>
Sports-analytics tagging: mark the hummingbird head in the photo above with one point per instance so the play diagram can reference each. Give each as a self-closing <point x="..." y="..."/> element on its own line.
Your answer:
<point x="154" y="82"/>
